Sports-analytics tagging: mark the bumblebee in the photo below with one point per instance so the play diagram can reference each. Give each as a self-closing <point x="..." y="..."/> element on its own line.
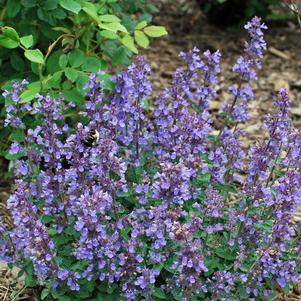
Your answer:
<point x="91" y="139"/>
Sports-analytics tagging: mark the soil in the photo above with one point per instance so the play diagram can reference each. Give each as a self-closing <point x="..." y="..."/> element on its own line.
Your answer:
<point x="188" y="27"/>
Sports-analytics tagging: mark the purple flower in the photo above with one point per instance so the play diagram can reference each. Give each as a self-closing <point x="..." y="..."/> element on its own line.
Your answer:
<point x="245" y="67"/>
<point x="15" y="148"/>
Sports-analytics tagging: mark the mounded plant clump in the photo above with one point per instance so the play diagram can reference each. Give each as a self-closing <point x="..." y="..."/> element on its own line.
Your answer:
<point x="140" y="202"/>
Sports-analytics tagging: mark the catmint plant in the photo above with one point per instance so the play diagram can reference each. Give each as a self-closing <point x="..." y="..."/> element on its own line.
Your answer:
<point x="157" y="207"/>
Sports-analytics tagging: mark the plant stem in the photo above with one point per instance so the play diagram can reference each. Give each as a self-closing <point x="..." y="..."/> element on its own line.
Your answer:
<point x="232" y="107"/>
<point x="274" y="166"/>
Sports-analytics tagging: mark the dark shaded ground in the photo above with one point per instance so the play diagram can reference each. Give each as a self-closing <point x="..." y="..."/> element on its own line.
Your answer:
<point x="188" y="27"/>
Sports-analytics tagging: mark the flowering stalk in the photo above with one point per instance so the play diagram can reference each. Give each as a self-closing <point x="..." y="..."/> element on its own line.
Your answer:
<point x="245" y="67"/>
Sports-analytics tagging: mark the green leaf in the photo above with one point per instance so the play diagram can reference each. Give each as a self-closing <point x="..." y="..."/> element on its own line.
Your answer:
<point x="44" y="293"/>
<point x="109" y="18"/>
<point x="59" y="294"/>
<point x="92" y="64"/>
<point x="30" y="281"/>
<point x="211" y="263"/>
<point x="70" y="5"/>
<point x="118" y="55"/>
<point x="8" y="43"/>
<point x="159" y="293"/>
<point x="71" y="74"/>
<point x="17" y="135"/>
<point x="52" y="231"/>
<point x="76" y="58"/>
<point x="242" y="291"/>
<point x="54" y="80"/>
<point x="74" y="96"/>
<point x="155" y="31"/>
<point x="225" y="253"/>
<point x="35" y="56"/>
<point x="12" y="157"/>
<point x="70" y="231"/>
<point x="50" y="5"/>
<point x="29" y="3"/>
<point x="31" y="91"/>
<point x="11" y="33"/>
<point x="111" y="288"/>
<point x="13" y="7"/>
<point x="61" y="240"/>
<point x="47" y="219"/>
<point x="129" y="23"/>
<point x="113" y="26"/>
<point x="63" y="61"/>
<point x="52" y="63"/>
<point x="265" y="226"/>
<point x="107" y="83"/>
<point x="27" y="41"/>
<point x="81" y="81"/>
<point x="152" y="8"/>
<point x="100" y="296"/>
<point x="62" y="29"/>
<point x="141" y="39"/>
<point x="9" y="38"/>
<point x="141" y="25"/>
<point x="91" y="11"/>
<point x="107" y="34"/>
<point x="124" y="233"/>
<point x="122" y="28"/>
<point x="146" y="105"/>
<point x="129" y="42"/>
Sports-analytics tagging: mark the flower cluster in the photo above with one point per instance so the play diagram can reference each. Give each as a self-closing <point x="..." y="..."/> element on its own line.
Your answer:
<point x="13" y="106"/>
<point x="157" y="206"/>
<point x="245" y="67"/>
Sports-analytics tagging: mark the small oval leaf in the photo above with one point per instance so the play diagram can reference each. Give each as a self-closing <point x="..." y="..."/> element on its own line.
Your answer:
<point x="70" y="5"/>
<point x="141" y="39"/>
<point x="129" y="43"/>
<point x="27" y="41"/>
<point x="35" y="56"/>
<point x="155" y="31"/>
<point x="31" y="91"/>
<point x="109" y="18"/>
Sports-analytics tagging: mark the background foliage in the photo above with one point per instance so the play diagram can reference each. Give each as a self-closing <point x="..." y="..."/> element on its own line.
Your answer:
<point x="218" y="10"/>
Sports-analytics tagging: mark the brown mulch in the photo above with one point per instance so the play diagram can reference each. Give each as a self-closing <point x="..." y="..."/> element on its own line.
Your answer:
<point x="188" y="27"/>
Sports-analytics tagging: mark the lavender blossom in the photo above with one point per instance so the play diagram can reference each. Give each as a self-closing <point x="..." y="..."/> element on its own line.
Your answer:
<point x="245" y="67"/>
